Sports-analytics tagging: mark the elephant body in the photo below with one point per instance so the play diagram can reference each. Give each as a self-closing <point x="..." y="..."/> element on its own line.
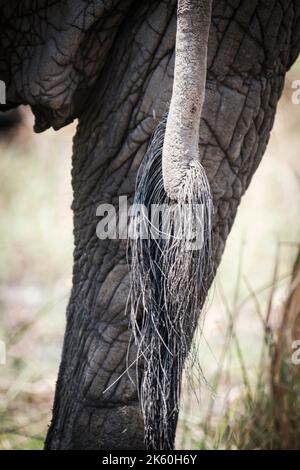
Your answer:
<point x="110" y="63"/>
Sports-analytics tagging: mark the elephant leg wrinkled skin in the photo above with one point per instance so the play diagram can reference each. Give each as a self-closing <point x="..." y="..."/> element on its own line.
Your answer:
<point x="111" y="139"/>
<point x="119" y="83"/>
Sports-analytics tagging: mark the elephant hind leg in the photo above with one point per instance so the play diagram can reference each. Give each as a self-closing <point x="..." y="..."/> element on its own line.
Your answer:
<point x="100" y="408"/>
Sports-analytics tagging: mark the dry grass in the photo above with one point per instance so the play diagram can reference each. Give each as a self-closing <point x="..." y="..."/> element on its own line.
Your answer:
<point x="253" y="402"/>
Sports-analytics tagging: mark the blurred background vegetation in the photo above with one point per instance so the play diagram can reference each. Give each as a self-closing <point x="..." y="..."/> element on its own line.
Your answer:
<point x="248" y="396"/>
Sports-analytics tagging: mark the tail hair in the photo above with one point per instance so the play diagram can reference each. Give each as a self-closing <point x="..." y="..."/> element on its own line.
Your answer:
<point x="168" y="284"/>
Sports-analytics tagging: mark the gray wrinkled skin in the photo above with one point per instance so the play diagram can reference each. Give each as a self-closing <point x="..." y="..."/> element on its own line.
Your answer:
<point x="111" y="63"/>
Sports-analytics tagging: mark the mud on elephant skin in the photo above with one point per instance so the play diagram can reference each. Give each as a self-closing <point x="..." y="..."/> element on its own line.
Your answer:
<point x="110" y="63"/>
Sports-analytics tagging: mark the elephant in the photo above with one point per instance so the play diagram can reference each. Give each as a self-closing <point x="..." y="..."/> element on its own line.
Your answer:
<point x="110" y="63"/>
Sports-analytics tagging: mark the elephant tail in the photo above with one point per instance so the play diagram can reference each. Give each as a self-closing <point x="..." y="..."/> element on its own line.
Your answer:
<point x="170" y="268"/>
<point x="171" y="236"/>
